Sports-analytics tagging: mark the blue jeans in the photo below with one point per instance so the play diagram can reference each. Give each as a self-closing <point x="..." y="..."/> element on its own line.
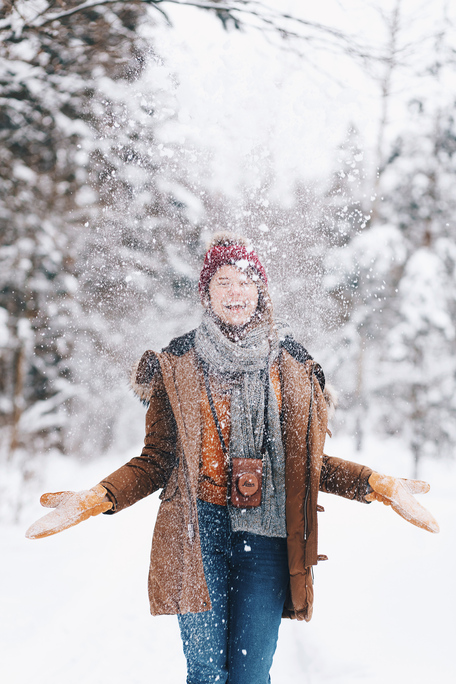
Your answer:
<point x="247" y="578"/>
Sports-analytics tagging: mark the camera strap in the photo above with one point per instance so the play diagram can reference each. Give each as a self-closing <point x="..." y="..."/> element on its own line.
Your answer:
<point x="213" y="411"/>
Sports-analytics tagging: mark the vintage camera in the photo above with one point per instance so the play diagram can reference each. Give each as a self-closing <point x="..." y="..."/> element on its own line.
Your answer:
<point x="246" y="481"/>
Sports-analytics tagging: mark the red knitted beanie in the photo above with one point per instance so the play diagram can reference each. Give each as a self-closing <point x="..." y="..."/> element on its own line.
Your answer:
<point x="229" y="254"/>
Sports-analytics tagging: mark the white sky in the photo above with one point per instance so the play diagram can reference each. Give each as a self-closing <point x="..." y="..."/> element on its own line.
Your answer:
<point x="237" y="94"/>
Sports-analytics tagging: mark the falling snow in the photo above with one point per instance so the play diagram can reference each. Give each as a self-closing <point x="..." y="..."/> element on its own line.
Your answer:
<point x="125" y="144"/>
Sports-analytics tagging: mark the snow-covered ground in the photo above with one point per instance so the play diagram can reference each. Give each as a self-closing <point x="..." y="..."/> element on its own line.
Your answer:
<point x="74" y="607"/>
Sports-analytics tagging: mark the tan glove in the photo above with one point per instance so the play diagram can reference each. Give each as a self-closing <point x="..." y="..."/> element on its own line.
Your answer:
<point x="398" y="493"/>
<point x="71" y="508"/>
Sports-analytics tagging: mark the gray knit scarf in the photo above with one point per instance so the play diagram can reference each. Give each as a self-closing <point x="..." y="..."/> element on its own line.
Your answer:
<point x="246" y="363"/>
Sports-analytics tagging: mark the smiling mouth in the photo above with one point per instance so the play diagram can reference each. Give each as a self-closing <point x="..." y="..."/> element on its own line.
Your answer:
<point x="235" y="307"/>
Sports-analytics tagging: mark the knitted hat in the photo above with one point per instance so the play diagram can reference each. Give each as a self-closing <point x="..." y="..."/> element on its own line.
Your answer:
<point x="229" y="250"/>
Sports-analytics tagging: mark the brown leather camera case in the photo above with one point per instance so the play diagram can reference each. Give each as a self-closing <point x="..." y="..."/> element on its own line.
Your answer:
<point x="246" y="480"/>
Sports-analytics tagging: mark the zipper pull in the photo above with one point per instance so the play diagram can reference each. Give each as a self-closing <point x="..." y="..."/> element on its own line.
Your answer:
<point x="191" y="531"/>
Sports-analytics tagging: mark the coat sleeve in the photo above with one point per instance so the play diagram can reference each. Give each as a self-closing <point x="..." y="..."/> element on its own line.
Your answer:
<point x="345" y="478"/>
<point x="150" y="471"/>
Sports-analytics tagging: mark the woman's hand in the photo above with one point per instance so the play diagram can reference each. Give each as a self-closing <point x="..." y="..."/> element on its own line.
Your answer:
<point x="398" y="493"/>
<point x="71" y="508"/>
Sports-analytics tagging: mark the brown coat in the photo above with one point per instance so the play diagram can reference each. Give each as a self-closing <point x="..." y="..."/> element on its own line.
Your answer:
<point x="171" y="383"/>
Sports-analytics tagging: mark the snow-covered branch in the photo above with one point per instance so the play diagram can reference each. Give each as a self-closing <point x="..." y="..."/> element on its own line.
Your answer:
<point x="242" y="14"/>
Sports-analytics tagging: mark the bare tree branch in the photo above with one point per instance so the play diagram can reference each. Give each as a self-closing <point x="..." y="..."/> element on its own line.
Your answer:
<point x="251" y="14"/>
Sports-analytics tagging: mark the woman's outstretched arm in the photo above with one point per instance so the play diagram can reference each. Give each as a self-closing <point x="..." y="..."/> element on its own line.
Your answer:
<point x="354" y="481"/>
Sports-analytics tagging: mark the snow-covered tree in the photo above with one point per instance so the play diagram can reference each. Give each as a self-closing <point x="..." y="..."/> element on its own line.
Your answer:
<point x="95" y="212"/>
<point x="395" y="282"/>
<point x="391" y="272"/>
<point x="418" y="357"/>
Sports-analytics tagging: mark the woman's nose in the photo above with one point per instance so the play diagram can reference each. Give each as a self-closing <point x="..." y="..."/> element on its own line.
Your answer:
<point x="235" y="288"/>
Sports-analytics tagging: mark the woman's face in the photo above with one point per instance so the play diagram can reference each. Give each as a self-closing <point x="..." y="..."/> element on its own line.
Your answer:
<point x="233" y="295"/>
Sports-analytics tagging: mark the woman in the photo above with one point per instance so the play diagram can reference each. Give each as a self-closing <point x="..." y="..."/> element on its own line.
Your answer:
<point x="235" y="429"/>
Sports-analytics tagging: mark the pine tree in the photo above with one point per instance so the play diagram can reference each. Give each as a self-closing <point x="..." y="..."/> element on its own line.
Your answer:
<point x="418" y="363"/>
<point x="95" y="213"/>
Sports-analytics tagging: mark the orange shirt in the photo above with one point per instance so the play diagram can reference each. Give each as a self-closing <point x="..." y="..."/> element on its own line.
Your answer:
<point x="213" y="476"/>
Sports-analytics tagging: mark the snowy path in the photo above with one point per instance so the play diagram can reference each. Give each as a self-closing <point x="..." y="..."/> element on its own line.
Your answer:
<point x="74" y="607"/>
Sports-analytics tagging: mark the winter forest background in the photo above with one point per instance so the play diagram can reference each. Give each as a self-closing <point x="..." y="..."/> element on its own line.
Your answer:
<point x="132" y="131"/>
